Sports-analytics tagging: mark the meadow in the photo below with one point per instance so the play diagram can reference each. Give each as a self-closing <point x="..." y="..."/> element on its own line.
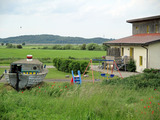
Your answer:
<point x="61" y="100"/>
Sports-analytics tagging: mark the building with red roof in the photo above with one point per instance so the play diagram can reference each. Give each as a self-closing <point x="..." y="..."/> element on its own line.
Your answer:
<point x="144" y="44"/>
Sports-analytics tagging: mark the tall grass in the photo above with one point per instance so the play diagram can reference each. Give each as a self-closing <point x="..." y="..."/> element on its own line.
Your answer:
<point x="72" y="102"/>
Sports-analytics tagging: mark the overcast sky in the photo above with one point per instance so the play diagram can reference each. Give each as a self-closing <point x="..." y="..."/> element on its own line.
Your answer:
<point x="77" y="18"/>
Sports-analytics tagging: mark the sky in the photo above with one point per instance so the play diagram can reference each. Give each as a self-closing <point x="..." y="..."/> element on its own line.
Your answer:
<point x="75" y="18"/>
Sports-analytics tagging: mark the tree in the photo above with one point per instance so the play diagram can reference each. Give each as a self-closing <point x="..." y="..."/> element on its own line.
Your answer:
<point x="23" y="43"/>
<point x="83" y="47"/>
<point x="9" y="45"/>
<point x="105" y="47"/>
<point x="2" y="44"/>
<point x="19" y="46"/>
<point x="92" y="46"/>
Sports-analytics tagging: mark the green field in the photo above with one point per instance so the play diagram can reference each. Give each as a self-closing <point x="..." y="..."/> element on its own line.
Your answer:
<point x="40" y="53"/>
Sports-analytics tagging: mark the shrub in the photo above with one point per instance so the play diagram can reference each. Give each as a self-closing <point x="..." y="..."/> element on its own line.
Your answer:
<point x="19" y="46"/>
<point x="131" y="66"/>
<point x="23" y="43"/>
<point x="83" y="47"/>
<point x="143" y="80"/>
<point x="92" y="46"/>
<point x="68" y="47"/>
<point x="58" y="47"/>
<point x="151" y="70"/>
<point x="9" y="45"/>
<point x="66" y="65"/>
<point x="45" y="47"/>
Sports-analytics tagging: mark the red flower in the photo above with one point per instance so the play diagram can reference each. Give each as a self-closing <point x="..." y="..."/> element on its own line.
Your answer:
<point x="141" y="99"/>
<point x="144" y="106"/>
<point x="54" y="82"/>
<point x="22" y="91"/>
<point x="148" y="106"/>
<point x="59" y="86"/>
<point x="39" y="87"/>
<point x="65" y="86"/>
<point x="152" y="112"/>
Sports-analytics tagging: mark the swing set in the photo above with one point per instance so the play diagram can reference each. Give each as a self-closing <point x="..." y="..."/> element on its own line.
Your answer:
<point x="103" y="74"/>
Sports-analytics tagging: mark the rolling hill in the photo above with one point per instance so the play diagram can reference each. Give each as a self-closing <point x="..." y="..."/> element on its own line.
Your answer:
<point x="51" y="39"/>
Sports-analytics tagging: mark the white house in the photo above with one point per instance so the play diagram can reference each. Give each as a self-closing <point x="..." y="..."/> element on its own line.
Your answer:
<point x="144" y="45"/>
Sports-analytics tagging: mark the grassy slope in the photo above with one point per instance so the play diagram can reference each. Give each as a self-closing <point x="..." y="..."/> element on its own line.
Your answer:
<point x="39" y="53"/>
<point x="87" y="102"/>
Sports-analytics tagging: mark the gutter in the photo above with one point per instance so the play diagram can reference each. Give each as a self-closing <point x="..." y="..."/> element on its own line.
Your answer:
<point x="146" y="55"/>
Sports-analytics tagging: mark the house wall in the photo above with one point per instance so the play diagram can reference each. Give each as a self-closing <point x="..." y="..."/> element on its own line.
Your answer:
<point x="154" y="55"/>
<point x="141" y="27"/>
<point x="138" y="51"/>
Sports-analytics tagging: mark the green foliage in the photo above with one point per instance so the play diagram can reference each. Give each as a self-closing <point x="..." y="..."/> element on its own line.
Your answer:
<point x="93" y="46"/>
<point x="83" y="47"/>
<point x="2" y="44"/>
<point x="143" y="80"/>
<point x="67" y="47"/>
<point x="131" y="66"/>
<point x="19" y="46"/>
<point x="57" y="47"/>
<point x="66" y="65"/>
<point x="105" y="47"/>
<point x="151" y="70"/>
<point x="23" y="43"/>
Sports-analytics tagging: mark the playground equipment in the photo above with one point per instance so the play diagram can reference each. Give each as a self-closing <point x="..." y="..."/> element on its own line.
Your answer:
<point x="76" y="79"/>
<point x="114" y="65"/>
<point x="103" y="74"/>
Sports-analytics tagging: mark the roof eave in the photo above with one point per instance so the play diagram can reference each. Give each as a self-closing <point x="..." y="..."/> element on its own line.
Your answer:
<point x="123" y="44"/>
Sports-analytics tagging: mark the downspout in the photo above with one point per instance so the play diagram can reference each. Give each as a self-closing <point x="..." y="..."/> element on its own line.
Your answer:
<point x="146" y="55"/>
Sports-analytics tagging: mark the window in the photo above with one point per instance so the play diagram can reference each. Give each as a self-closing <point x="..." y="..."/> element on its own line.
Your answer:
<point x="148" y="29"/>
<point x="34" y="68"/>
<point x="156" y="28"/>
<point x="132" y="53"/>
<point x="140" y="60"/>
<point x="122" y="51"/>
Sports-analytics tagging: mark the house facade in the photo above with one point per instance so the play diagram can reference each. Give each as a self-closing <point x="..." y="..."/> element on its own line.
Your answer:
<point x="144" y="44"/>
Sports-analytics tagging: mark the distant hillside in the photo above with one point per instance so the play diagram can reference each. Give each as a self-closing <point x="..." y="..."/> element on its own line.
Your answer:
<point x="51" y="39"/>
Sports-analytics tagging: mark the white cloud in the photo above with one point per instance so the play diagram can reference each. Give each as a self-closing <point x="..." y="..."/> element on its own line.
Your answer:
<point x="86" y="18"/>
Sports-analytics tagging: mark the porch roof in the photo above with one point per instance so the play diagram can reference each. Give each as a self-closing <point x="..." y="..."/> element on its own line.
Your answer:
<point x="138" y="39"/>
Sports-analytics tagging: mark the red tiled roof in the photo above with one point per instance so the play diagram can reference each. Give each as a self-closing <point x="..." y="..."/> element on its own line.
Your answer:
<point x="137" y="39"/>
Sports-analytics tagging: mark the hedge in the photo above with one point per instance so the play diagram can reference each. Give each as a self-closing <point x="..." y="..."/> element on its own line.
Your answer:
<point x="67" y="65"/>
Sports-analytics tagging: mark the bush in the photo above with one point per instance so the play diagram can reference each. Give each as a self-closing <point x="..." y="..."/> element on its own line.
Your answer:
<point x="67" y="47"/>
<point x="19" y="46"/>
<point x="23" y="43"/>
<point x="45" y="47"/>
<point x="143" y="80"/>
<point x="9" y="45"/>
<point x="131" y="66"/>
<point x="92" y="46"/>
<point x="66" y="65"/>
<point x="83" y="47"/>
<point x="58" y="47"/>
<point x="151" y="70"/>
